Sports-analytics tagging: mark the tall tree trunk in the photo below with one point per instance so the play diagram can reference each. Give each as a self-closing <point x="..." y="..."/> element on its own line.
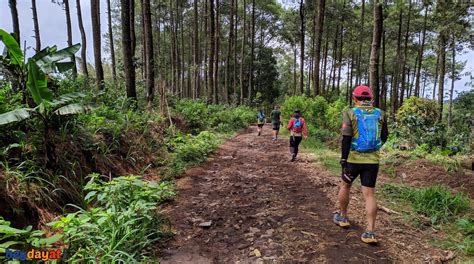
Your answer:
<point x="311" y="57"/>
<point x="442" y="41"/>
<point x="132" y="22"/>
<point x="36" y="26"/>
<point x="111" y="41"/>
<point x="83" y="39"/>
<point x="229" y="53"/>
<point x="404" y="58"/>
<point x="205" y="51"/>
<point x="394" y="95"/>
<point x="196" y="59"/>
<point x="349" y="76"/>
<point x="234" y="78"/>
<point x="324" y="71"/>
<point x="95" y="17"/>
<point x="69" y="36"/>
<point x="350" y="70"/>
<point x="442" y="72"/>
<point x="340" y="60"/>
<point x="383" y="94"/>
<point x="436" y="77"/>
<point x="294" y="70"/>
<point x="212" y="51"/>
<point x="321" y="4"/>
<point x="177" y="51"/>
<point x="127" y="50"/>
<point x="252" y="52"/>
<point x="143" y="41"/>
<point x="242" y="55"/>
<point x="453" y="79"/>
<point x="182" y="54"/>
<point x="157" y="54"/>
<point x="424" y="86"/>
<point x="361" y="41"/>
<point x="149" y="59"/>
<point x="420" y="54"/>
<point x="374" y="54"/>
<point x="173" y="52"/>
<point x="15" y="20"/>
<point x="216" y="61"/>
<point x="302" y="36"/>
<point x="334" y="58"/>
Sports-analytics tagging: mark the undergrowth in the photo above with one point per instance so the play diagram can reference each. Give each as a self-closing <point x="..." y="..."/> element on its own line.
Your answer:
<point x="450" y="212"/>
<point x="120" y="223"/>
<point x="113" y="218"/>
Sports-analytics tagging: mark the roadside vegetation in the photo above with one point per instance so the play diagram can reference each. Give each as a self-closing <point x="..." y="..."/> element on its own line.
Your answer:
<point x="68" y="164"/>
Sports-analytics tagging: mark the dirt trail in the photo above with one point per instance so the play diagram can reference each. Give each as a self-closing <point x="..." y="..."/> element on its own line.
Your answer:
<point x="256" y="199"/>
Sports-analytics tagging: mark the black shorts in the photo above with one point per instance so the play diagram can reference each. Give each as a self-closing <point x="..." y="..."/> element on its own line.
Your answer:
<point x="276" y="126"/>
<point x="368" y="173"/>
<point x="260" y="125"/>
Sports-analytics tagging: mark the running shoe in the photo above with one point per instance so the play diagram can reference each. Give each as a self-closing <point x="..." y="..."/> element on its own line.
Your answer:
<point x="341" y="220"/>
<point x="368" y="237"/>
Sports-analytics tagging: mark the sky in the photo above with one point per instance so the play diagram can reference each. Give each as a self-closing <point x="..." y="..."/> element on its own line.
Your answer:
<point x="52" y="23"/>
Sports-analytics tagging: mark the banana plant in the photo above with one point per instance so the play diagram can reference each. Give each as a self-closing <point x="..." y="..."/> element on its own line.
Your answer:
<point x="34" y="75"/>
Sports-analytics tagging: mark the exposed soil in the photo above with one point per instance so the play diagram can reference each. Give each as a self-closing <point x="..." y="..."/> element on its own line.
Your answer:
<point x="423" y="173"/>
<point x="250" y="204"/>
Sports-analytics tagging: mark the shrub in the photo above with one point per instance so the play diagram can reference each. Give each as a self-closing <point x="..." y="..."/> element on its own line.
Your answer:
<point x="195" y="113"/>
<point x="189" y="150"/>
<point x="423" y="109"/>
<point x="417" y="123"/>
<point x="319" y="112"/>
<point x="199" y="116"/>
<point x="122" y="223"/>
<point x="303" y="103"/>
<point x="11" y="237"/>
<point x="334" y="114"/>
<point x="226" y="118"/>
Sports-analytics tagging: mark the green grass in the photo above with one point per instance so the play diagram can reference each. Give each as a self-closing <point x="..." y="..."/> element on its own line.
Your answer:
<point x="443" y="209"/>
<point x="435" y="202"/>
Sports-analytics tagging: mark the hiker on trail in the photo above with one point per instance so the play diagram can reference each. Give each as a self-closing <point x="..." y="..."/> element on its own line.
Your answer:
<point x="275" y="115"/>
<point x="297" y="127"/>
<point x="364" y="131"/>
<point x="260" y="121"/>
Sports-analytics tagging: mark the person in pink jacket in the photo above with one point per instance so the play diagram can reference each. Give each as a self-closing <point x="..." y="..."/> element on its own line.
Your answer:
<point x="298" y="129"/>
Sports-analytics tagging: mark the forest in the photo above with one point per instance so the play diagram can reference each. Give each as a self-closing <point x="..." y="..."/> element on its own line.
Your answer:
<point x="133" y="138"/>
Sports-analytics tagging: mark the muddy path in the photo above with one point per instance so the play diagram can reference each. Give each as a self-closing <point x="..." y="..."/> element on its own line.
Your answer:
<point x="250" y="204"/>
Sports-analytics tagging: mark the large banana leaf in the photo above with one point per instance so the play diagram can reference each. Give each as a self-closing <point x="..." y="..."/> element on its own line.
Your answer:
<point x="64" y="66"/>
<point x="66" y="98"/>
<point x="48" y="63"/>
<point x="72" y="109"/>
<point x="37" y="83"/>
<point x="15" y="116"/>
<point x="13" y="49"/>
<point x="44" y="52"/>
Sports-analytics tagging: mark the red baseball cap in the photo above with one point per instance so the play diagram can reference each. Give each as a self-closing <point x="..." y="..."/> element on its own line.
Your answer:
<point x="362" y="91"/>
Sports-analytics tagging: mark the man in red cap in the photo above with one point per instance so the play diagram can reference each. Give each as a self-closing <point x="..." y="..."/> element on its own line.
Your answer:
<point x="364" y="131"/>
